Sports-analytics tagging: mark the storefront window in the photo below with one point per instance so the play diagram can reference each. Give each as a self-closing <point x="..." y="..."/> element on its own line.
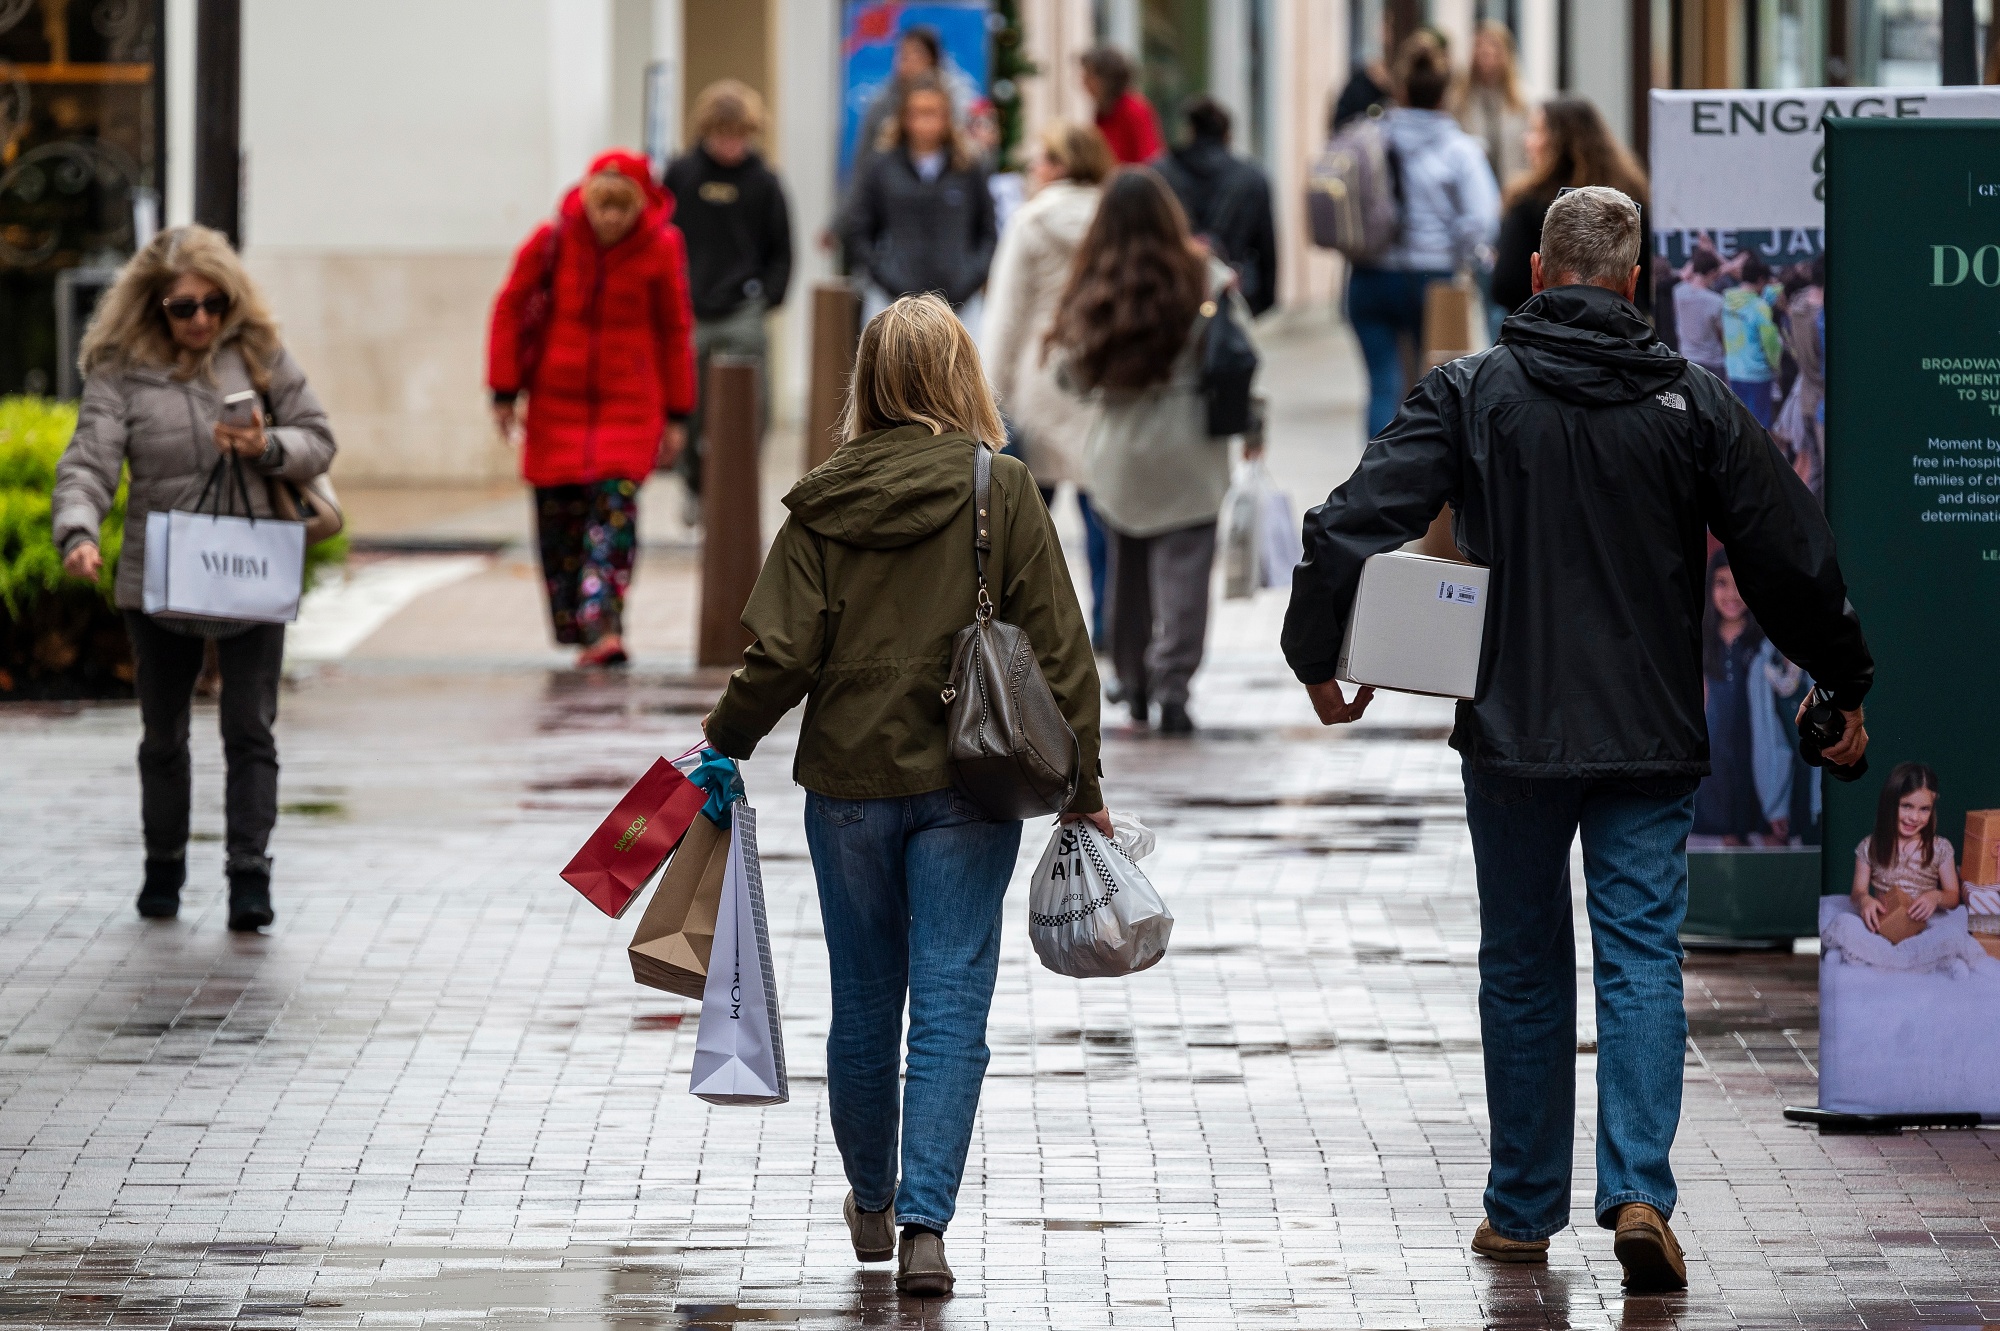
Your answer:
<point x="80" y="150"/>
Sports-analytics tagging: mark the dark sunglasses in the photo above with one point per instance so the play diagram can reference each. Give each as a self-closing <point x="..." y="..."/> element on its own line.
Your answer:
<point x="185" y="307"/>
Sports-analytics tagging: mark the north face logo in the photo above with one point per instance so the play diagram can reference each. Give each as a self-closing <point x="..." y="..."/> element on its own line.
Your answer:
<point x="1674" y="400"/>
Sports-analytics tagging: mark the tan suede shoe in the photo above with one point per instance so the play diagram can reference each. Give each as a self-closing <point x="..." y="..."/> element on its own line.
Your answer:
<point x="921" y="1270"/>
<point x="1499" y="1248"/>
<point x="1648" y="1251"/>
<point x="873" y="1232"/>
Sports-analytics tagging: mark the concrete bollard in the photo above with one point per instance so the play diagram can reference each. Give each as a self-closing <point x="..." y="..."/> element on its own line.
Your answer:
<point x="836" y="333"/>
<point x="732" y="542"/>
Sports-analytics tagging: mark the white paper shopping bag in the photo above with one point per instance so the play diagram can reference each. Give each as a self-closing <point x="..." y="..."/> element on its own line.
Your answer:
<point x="234" y="568"/>
<point x="739" y="1051"/>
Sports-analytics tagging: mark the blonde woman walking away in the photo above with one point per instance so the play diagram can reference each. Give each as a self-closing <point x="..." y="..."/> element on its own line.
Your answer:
<point x="182" y="328"/>
<point x="865" y="587"/>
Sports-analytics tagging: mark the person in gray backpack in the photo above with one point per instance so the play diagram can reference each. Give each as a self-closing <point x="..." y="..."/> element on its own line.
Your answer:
<point x="1450" y="208"/>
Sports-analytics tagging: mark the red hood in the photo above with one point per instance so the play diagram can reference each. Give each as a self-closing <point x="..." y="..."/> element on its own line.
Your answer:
<point x="659" y="203"/>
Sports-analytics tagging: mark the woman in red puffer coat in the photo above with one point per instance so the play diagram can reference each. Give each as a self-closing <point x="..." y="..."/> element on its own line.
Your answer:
<point x="595" y="326"/>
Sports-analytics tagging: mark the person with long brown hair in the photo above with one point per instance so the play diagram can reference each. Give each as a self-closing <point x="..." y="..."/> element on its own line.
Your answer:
<point x="1569" y="146"/>
<point x="1905" y="853"/>
<point x="182" y="328"/>
<point x="1129" y="335"/>
<point x="869" y="581"/>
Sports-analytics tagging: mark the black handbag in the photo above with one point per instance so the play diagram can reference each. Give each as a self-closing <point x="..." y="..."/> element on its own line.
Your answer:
<point x="1228" y="365"/>
<point x="1011" y="751"/>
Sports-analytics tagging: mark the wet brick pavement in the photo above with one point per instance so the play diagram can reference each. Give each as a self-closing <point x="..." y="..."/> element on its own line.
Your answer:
<point x="432" y="1094"/>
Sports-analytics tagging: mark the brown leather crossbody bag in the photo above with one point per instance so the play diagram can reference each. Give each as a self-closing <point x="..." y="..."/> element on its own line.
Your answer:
<point x="1012" y="754"/>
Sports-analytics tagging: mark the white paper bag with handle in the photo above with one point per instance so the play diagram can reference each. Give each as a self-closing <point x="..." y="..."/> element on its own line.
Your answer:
<point x="739" y="1050"/>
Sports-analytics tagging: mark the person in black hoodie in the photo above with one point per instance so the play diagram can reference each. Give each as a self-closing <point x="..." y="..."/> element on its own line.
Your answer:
<point x="921" y="218"/>
<point x="1582" y="460"/>
<point x="732" y="210"/>
<point x="1227" y="201"/>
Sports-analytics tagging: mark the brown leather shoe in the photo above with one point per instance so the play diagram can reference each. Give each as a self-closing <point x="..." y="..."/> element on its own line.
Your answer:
<point x="1648" y="1251"/>
<point x="873" y="1232"/>
<point x="921" y="1270"/>
<point x="1499" y="1248"/>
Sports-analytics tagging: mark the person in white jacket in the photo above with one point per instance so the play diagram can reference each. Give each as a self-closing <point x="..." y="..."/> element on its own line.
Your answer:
<point x="1030" y="268"/>
<point x="1451" y="207"/>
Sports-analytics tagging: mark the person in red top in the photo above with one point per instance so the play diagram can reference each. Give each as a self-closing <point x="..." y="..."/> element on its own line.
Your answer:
<point x="1125" y="118"/>
<point x="595" y="326"/>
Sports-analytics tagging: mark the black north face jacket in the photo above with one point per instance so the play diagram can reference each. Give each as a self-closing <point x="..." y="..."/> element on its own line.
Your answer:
<point x="1582" y="460"/>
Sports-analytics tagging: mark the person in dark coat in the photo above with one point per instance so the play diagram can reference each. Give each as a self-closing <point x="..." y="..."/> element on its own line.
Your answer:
<point x="921" y="218"/>
<point x="1582" y="459"/>
<point x="1227" y="201"/>
<point x="731" y="209"/>
<point x="1568" y="145"/>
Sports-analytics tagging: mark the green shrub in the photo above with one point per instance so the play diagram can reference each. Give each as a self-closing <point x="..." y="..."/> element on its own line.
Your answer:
<point x="33" y="433"/>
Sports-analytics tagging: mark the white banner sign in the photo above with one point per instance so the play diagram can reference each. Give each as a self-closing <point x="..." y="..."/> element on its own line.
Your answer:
<point x="1757" y="160"/>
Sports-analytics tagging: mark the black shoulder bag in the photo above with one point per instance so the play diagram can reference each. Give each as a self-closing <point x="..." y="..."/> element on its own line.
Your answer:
<point x="1010" y="749"/>
<point x="1228" y="365"/>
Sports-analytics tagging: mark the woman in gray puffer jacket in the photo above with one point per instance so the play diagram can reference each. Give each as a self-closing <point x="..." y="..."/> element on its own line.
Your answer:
<point x="183" y="328"/>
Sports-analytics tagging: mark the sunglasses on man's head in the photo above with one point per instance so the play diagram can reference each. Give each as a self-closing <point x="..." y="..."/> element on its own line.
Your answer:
<point x="185" y="307"/>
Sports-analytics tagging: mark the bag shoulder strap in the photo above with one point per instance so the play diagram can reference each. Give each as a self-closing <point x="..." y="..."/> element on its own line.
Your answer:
<point x="982" y="527"/>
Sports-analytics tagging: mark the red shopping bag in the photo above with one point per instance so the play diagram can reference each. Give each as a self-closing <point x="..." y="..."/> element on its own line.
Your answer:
<point x="629" y="846"/>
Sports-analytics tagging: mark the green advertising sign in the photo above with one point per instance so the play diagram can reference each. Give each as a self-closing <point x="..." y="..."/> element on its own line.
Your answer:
<point x="1913" y="459"/>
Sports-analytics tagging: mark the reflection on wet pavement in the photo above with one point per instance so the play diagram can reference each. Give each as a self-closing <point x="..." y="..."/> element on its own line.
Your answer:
<point x="433" y="1095"/>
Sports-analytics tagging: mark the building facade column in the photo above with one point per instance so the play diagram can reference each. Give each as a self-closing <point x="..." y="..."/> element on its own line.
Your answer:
<point x="1055" y="33"/>
<point x="1309" y="59"/>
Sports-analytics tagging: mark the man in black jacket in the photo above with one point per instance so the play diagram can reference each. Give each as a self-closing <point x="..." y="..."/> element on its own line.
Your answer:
<point x="732" y="210"/>
<point x="1582" y="461"/>
<point x="1227" y="201"/>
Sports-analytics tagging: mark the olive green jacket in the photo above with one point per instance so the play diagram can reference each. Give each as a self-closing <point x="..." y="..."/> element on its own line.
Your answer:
<point x="868" y="582"/>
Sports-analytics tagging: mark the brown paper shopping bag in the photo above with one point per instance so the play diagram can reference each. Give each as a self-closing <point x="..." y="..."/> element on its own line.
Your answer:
<point x="670" y="950"/>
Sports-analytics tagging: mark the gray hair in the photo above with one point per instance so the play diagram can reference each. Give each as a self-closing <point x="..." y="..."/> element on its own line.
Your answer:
<point x="1591" y="235"/>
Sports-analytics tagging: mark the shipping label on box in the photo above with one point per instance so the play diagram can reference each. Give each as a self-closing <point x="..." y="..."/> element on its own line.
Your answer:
<point x="1416" y="626"/>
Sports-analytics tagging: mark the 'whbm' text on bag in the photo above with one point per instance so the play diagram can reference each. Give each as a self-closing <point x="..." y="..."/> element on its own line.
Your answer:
<point x="225" y="565"/>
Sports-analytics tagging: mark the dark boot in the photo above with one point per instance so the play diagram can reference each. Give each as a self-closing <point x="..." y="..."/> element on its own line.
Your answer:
<point x="1174" y="719"/>
<point x="160" y="898"/>
<point x="1138" y="706"/>
<point x="249" y="899"/>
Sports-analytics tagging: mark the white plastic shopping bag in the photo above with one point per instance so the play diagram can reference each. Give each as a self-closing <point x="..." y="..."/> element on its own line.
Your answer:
<point x="1279" y="546"/>
<point x="220" y="567"/>
<point x="1237" y="537"/>
<point x="739" y="1050"/>
<point x="1091" y="912"/>
<point x="1259" y="538"/>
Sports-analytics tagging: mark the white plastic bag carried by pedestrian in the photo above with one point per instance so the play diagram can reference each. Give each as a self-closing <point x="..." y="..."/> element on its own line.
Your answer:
<point x="1091" y="912"/>
<point x="739" y="1050"/>
<point x="214" y="566"/>
<point x="1258" y="536"/>
<point x="1237" y="534"/>
<point x="1278" y="541"/>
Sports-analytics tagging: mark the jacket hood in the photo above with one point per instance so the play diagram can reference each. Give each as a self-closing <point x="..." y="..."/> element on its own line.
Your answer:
<point x="659" y="204"/>
<point x="1412" y="130"/>
<point x="1586" y="344"/>
<point x="888" y="489"/>
<point x="1063" y="208"/>
<point x="1205" y="158"/>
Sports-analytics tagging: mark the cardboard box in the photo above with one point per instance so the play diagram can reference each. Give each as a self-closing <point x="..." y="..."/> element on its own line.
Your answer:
<point x="1983" y="824"/>
<point x="1981" y="861"/>
<point x="1416" y="626"/>
<point x="1991" y="944"/>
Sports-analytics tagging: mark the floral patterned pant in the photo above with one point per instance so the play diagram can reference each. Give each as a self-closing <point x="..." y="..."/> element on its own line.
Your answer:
<point x="589" y="535"/>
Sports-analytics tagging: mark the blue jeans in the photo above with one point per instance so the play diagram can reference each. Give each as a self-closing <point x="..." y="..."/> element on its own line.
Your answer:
<point x="1385" y="306"/>
<point x="1756" y="395"/>
<point x="1635" y="835"/>
<point x="910" y="891"/>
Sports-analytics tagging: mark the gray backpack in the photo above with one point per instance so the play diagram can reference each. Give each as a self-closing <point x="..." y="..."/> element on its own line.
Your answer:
<point x="1354" y="192"/>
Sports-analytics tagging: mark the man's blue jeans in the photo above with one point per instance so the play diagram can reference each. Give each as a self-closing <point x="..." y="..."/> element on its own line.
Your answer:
<point x="1635" y="835"/>
<point x="910" y="891"/>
